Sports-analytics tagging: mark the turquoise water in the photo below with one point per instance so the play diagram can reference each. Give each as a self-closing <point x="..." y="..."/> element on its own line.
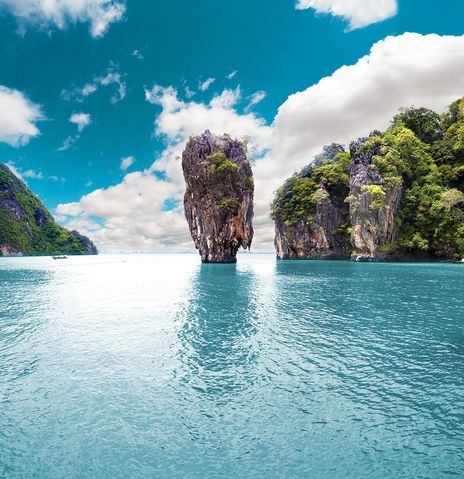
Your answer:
<point x="154" y="366"/>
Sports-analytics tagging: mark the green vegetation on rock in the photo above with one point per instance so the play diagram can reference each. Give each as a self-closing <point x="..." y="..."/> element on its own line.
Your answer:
<point x="225" y="181"/>
<point x="296" y="200"/>
<point x="27" y="228"/>
<point x="422" y="154"/>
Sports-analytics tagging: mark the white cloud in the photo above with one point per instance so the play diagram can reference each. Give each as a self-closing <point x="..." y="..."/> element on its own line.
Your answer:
<point x="18" y="117"/>
<point x="69" y="209"/>
<point x="359" y="13"/>
<point x="256" y="98"/>
<point x="37" y="175"/>
<point x="114" y="78"/>
<point x="88" y="89"/>
<point x="100" y="14"/>
<point x="111" y="77"/>
<point x="179" y="119"/>
<point x="82" y="120"/>
<point x="231" y="75"/>
<point x="134" y="211"/>
<point x="204" y="85"/>
<point x="411" y="69"/>
<point x="67" y="143"/>
<point x="189" y="93"/>
<point x="16" y="171"/>
<point x="127" y="162"/>
<point x="30" y="173"/>
<point x="138" y="54"/>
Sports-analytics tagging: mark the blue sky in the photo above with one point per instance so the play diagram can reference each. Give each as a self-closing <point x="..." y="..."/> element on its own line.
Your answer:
<point x="131" y="86"/>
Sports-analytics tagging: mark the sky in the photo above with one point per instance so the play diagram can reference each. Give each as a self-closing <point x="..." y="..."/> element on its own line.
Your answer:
<point x="97" y="97"/>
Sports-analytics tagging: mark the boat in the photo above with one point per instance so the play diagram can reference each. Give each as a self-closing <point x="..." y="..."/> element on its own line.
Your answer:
<point x="60" y="257"/>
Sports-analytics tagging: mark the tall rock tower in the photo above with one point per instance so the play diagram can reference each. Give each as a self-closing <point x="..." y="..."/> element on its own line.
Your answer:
<point x="218" y="199"/>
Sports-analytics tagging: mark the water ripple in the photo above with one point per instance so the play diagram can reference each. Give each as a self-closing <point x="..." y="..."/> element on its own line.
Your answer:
<point x="158" y="366"/>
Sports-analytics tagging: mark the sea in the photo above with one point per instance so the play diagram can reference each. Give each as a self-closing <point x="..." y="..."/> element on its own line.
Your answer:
<point x="156" y="366"/>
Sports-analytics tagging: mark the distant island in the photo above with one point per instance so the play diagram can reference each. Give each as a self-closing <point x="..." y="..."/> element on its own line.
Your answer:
<point x="397" y="194"/>
<point x="27" y="228"/>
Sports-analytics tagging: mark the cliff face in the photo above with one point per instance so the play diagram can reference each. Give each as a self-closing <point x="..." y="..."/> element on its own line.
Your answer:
<point x="309" y="210"/>
<point x="27" y="228"/>
<point x="373" y="208"/>
<point x="314" y="239"/>
<point x="397" y="194"/>
<point x="218" y="200"/>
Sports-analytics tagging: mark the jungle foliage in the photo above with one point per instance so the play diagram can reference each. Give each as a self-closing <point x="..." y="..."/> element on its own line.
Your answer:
<point x="423" y="153"/>
<point x="25" y="224"/>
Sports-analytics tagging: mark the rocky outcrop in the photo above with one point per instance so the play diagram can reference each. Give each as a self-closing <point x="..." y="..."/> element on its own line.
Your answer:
<point x="373" y="206"/>
<point x="314" y="239"/>
<point x="27" y="228"/>
<point x="7" y="250"/>
<point x="403" y="188"/>
<point x="86" y="243"/>
<point x="218" y="199"/>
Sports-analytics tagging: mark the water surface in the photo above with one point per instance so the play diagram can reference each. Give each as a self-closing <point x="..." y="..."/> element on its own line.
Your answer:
<point x="157" y="366"/>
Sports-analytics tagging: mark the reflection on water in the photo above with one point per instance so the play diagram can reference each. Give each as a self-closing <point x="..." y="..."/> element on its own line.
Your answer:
<point x="217" y="323"/>
<point x="158" y="366"/>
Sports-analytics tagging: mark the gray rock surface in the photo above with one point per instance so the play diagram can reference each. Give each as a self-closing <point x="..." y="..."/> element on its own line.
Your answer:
<point x="218" y="200"/>
<point x="312" y="241"/>
<point x="372" y="220"/>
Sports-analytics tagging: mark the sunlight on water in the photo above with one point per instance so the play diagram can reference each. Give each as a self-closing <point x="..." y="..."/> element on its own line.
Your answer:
<point x="158" y="366"/>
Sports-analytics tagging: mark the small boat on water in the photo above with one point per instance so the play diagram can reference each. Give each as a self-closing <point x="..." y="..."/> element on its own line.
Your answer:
<point x="60" y="257"/>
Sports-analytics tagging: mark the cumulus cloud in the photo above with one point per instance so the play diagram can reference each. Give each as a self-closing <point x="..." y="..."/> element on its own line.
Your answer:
<point x="144" y="210"/>
<point x="359" y="13"/>
<point x="179" y="119"/>
<point x="81" y="120"/>
<point x="411" y="69"/>
<point x="127" y="162"/>
<point x="100" y="14"/>
<point x="112" y="77"/>
<point x="69" y="209"/>
<point x="18" y="117"/>
<point x="132" y="212"/>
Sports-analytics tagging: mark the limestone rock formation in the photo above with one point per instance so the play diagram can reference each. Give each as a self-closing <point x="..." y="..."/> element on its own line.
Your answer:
<point x="316" y="239"/>
<point x="27" y="228"/>
<point x="218" y="199"/>
<point x="397" y="194"/>
<point x="373" y="206"/>
<point x="310" y="212"/>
